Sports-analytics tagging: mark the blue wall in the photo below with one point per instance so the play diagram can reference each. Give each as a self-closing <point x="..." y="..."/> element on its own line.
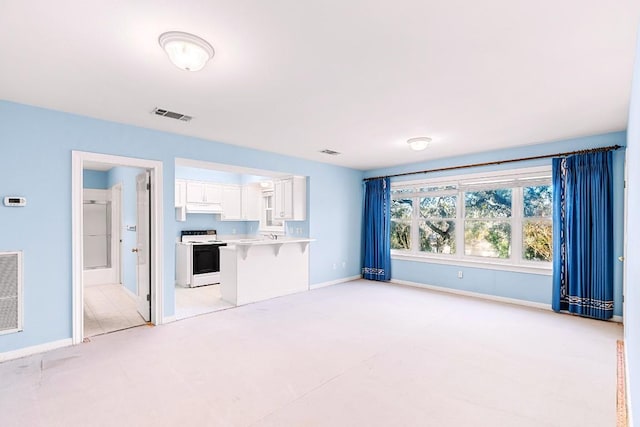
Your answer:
<point x="97" y="180"/>
<point x="45" y="138"/>
<point x="522" y="286"/>
<point x="632" y="264"/>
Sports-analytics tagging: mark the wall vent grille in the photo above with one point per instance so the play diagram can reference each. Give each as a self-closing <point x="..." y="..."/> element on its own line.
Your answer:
<point x="329" y="152"/>
<point x="171" y="114"/>
<point x="10" y="292"/>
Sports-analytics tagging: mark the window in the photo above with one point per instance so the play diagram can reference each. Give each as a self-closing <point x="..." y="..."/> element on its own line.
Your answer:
<point x="537" y="229"/>
<point x="268" y="222"/>
<point x="500" y="218"/>
<point x="401" y="214"/>
<point x="487" y="224"/>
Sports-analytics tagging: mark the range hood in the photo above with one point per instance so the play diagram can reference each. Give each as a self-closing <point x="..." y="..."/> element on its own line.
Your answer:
<point x="204" y="208"/>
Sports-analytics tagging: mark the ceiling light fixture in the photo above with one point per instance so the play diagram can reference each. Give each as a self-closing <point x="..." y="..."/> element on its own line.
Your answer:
<point x="185" y="50"/>
<point x="419" y="143"/>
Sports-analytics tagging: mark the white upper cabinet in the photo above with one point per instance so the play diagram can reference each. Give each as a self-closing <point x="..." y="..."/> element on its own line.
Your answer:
<point x="290" y="198"/>
<point x="231" y="203"/>
<point x="181" y="200"/>
<point x="251" y="197"/>
<point x="180" y="193"/>
<point x="204" y="192"/>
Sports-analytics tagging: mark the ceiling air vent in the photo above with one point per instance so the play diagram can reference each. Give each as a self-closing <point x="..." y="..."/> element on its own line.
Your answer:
<point x="329" y="152"/>
<point x="171" y="114"/>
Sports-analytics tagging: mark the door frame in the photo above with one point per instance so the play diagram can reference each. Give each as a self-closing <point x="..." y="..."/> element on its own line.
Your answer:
<point x="78" y="160"/>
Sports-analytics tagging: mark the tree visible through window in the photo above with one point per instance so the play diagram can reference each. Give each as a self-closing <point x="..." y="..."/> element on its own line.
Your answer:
<point x="437" y="224"/>
<point x="537" y="228"/>
<point x="401" y="213"/>
<point x="504" y="217"/>
<point x="487" y="226"/>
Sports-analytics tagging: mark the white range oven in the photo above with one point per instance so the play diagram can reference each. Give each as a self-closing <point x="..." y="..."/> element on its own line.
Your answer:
<point x="198" y="258"/>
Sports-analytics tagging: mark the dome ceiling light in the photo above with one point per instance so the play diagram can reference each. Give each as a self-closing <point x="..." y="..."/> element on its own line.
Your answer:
<point x="186" y="51"/>
<point x="419" y="143"/>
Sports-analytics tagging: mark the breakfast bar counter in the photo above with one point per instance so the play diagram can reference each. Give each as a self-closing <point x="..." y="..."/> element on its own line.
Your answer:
<point x="258" y="269"/>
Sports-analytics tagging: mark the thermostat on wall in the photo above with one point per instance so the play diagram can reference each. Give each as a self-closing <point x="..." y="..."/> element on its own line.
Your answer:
<point x="15" y="201"/>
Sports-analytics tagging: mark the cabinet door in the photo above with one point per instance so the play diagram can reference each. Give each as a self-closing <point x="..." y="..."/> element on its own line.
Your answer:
<point x="195" y="192"/>
<point x="231" y="203"/>
<point x="180" y="193"/>
<point x="251" y="199"/>
<point x="283" y="198"/>
<point x="212" y="193"/>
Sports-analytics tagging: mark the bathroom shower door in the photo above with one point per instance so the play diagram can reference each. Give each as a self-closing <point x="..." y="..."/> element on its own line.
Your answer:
<point x="99" y="251"/>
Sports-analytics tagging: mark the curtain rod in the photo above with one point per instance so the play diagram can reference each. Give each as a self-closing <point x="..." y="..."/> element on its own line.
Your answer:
<point x="499" y="162"/>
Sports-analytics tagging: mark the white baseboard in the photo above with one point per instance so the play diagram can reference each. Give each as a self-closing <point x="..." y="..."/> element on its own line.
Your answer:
<point x="334" y="282"/>
<point x="40" y="348"/>
<point x="484" y="296"/>
<point x="168" y="319"/>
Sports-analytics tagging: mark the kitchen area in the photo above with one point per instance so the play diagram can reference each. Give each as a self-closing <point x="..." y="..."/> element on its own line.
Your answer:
<point x="242" y="236"/>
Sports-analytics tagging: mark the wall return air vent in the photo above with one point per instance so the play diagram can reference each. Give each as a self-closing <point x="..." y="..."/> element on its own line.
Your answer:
<point x="10" y="292"/>
<point x="171" y="114"/>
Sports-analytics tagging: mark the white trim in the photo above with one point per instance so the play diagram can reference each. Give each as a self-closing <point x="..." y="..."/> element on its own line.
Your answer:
<point x="518" y="268"/>
<point x="540" y="305"/>
<point x="28" y="351"/>
<point x="492" y="175"/>
<point x="78" y="158"/>
<point x="169" y="319"/>
<point x="334" y="282"/>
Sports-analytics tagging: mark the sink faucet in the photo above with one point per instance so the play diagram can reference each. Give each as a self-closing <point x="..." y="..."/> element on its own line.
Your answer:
<point x="273" y="236"/>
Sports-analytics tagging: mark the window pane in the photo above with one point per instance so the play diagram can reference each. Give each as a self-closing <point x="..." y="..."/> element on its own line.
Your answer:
<point x="437" y="188"/>
<point x="438" y="207"/>
<point x="537" y="240"/>
<point x="438" y="237"/>
<point x="401" y="209"/>
<point x="400" y="235"/>
<point x="487" y="238"/>
<point x="537" y="201"/>
<point x="488" y="204"/>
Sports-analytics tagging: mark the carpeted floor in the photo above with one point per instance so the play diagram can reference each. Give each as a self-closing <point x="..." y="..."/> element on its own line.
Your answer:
<point x="354" y="354"/>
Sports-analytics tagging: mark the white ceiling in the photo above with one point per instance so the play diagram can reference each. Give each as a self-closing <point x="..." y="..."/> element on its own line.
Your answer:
<point x="356" y="76"/>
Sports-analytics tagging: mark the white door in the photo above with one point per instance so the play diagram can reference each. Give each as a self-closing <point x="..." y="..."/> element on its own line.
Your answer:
<point x="143" y="267"/>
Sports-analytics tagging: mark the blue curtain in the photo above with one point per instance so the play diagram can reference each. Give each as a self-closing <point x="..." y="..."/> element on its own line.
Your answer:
<point x="583" y="235"/>
<point x="377" y="245"/>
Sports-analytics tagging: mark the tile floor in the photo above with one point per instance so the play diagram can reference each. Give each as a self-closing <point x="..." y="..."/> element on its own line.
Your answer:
<point x="109" y="308"/>
<point x="195" y="301"/>
<point x="354" y="354"/>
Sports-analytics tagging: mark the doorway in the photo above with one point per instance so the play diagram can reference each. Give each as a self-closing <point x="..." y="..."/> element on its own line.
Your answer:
<point x="117" y="245"/>
<point x="115" y="214"/>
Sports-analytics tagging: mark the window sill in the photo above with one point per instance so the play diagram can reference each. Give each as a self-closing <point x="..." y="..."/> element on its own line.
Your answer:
<point x="489" y="265"/>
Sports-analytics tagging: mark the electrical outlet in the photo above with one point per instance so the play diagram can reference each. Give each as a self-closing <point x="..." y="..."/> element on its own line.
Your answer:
<point x="459" y="274"/>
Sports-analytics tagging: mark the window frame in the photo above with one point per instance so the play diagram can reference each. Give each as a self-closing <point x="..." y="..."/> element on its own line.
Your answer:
<point x="515" y="179"/>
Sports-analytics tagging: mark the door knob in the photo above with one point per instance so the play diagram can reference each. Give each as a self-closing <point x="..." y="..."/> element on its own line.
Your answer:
<point x="134" y="250"/>
<point x="621" y="258"/>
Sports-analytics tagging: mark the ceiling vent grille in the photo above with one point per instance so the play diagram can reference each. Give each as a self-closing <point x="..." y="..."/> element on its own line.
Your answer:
<point x="329" y="152"/>
<point x="171" y="114"/>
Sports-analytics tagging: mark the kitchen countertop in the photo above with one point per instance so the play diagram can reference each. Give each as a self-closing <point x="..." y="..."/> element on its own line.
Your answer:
<point x="261" y="241"/>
